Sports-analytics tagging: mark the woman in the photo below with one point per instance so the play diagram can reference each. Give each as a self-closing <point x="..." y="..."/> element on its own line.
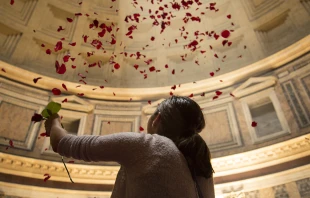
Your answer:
<point x="165" y="163"/>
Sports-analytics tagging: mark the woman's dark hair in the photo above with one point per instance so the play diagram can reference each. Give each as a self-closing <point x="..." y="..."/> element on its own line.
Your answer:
<point x="181" y="120"/>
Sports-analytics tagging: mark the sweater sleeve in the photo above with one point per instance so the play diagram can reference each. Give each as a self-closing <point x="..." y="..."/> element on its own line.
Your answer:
<point x="123" y="148"/>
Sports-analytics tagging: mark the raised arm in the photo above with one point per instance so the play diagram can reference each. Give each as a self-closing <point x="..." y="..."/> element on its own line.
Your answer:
<point x="124" y="148"/>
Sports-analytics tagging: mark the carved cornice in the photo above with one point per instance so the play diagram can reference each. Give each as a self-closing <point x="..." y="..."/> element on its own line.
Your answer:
<point x="243" y="162"/>
<point x="124" y="94"/>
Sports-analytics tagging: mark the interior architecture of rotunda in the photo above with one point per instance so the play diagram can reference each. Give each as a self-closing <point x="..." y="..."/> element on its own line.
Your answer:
<point x="110" y="63"/>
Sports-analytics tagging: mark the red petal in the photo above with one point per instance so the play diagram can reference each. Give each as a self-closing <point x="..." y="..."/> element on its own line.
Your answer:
<point x="215" y="97"/>
<point x="173" y="71"/>
<point x="42" y="45"/>
<point x="141" y="128"/>
<point x="71" y="162"/>
<point x="69" y="20"/>
<point x="35" y="80"/>
<point x="211" y="73"/>
<point x="11" y="143"/>
<point x="229" y="16"/>
<point x="3" y="70"/>
<point x="12" y="2"/>
<point x="136" y="66"/>
<point x="203" y="94"/>
<point x="58" y="46"/>
<point x="48" y="51"/>
<point x="43" y="134"/>
<point x="66" y="58"/>
<point x="218" y="93"/>
<point x="191" y="95"/>
<point x="150" y="102"/>
<point x="46" y="178"/>
<point x="56" y="91"/>
<point x="215" y="55"/>
<point x="232" y="95"/>
<point x="72" y="44"/>
<point x="65" y="100"/>
<point x="64" y="86"/>
<point x="152" y="69"/>
<point x="117" y="66"/>
<point x="225" y="34"/>
<point x="254" y="124"/>
<point x="152" y="38"/>
<point x="73" y="67"/>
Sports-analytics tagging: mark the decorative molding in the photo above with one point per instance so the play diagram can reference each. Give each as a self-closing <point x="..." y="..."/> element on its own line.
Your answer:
<point x="253" y="85"/>
<point x="264" y="157"/>
<point x="259" y="99"/>
<point x="82" y="104"/>
<point x="263" y="182"/>
<point x="123" y="94"/>
<point x="32" y="129"/>
<point x="21" y="191"/>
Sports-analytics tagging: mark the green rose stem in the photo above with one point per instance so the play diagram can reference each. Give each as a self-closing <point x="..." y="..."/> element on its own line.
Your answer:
<point x="51" y="109"/>
<point x="62" y="158"/>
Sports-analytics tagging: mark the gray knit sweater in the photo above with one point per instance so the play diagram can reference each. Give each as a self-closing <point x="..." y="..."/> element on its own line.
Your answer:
<point x="151" y="164"/>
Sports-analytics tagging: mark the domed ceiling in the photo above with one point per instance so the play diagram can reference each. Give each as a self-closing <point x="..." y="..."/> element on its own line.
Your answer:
<point x="140" y="44"/>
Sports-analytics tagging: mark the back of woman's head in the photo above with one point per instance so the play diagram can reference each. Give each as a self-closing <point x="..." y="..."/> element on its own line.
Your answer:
<point x="181" y="119"/>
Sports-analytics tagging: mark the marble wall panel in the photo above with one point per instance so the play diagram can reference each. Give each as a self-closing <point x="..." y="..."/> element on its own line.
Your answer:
<point x="12" y="125"/>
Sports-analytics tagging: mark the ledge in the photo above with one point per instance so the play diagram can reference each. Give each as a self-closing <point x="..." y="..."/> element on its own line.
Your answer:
<point x="258" y="159"/>
<point x="124" y="94"/>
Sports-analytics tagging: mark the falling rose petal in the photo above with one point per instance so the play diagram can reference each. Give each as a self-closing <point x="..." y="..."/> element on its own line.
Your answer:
<point x="48" y="51"/>
<point x="232" y="95"/>
<point x="101" y="87"/>
<point x="215" y="55"/>
<point x="117" y="66"/>
<point x="203" y="94"/>
<point x="47" y="176"/>
<point x="244" y="47"/>
<point x="152" y="38"/>
<point x="65" y="100"/>
<point x="218" y="93"/>
<point x="56" y="91"/>
<point x="109" y="122"/>
<point x="174" y="87"/>
<point x="215" y="97"/>
<point x="36" y="118"/>
<point x="12" y="2"/>
<point x="66" y="58"/>
<point x="136" y="66"/>
<point x="43" y="134"/>
<point x="72" y="44"/>
<point x="114" y="94"/>
<point x="80" y="94"/>
<point x="152" y="69"/>
<point x="190" y="96"/>
<point x="225" y="34"/>
<point x="64" y="86"/>
<point x="173" y="71"/>
<point x="62" y="69"/>
<point x="254" y="124"/>
<point x="35" y="80"/>
<point x="73" y="66"/>
<point x="229" y="16"/>
<point x="229" y="44"/>
<point x="141" y="128"/>
<point x="69" y="20"/>
<point x="42" y="45"/>
<point x="11" y="143"/>
<point x="3" y="70"/>
<point x="211" y="73"/>
<point x="58" y="46"/>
